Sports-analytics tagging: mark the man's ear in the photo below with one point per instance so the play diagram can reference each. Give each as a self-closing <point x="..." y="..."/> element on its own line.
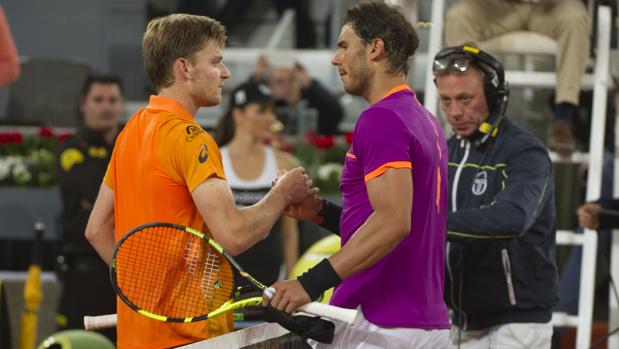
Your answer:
<point x="182" y="68"/>
<point x="376" y="48"/>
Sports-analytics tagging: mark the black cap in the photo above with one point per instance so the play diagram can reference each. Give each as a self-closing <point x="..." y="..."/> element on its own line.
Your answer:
<point x="250" y="92"/>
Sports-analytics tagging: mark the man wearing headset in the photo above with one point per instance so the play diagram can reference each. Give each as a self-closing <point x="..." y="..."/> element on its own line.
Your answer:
<point x="501" y="280"/>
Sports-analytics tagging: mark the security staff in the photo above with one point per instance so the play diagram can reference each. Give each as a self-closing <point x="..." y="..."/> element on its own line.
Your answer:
<point x="82" y="162"/>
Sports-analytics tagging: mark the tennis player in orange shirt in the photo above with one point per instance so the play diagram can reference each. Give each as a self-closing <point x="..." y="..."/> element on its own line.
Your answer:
<point x="165" y="168"/>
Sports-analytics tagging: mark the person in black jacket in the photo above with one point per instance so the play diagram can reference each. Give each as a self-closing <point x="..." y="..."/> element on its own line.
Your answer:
<point x="293" y="87"/>
<point x="502" y="281"/>
<point x="82" y="162"/>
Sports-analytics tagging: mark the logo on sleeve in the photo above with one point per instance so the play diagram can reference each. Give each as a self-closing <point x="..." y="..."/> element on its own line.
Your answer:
<point x="203" y="154"/>
<point x="480" y="183"/>
<point x="193" y="132"/>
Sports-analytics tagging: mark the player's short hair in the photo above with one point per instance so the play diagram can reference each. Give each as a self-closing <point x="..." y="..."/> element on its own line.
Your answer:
<point x="176" y="36"/>
<point x="376" y="19"/>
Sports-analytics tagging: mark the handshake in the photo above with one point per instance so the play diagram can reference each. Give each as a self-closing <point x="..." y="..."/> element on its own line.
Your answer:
<point x="295" y="187"/>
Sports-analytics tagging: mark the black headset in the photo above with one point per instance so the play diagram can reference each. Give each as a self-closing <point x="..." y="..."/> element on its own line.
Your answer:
<point x="496" y="89"/>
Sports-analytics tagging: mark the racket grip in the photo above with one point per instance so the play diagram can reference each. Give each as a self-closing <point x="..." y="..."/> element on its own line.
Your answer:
<point x="93" y="323"/>
<point x="329" y="311"/>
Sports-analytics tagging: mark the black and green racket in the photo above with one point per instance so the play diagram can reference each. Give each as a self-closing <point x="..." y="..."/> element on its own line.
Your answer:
<point x="172" y="273"/>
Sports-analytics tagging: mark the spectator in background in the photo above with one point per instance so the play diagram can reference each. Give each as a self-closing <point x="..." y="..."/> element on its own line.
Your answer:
<point x="9" y="60"/>
<point x="291" y="85"/>
<point x="82" y="163"/>
<point x="567" y="22"/>
<point x="250" y="167"/>
<point x="603" y="214"/>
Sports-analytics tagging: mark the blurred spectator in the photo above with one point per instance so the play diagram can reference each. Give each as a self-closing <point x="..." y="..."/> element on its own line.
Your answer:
<point x="232" y="11"/>
<point x="9" y="60"/>
<point x="82" y="163"/>
<point x="230" y="14"/>
<point x="250" y="168"/>
<point x="566" y="21"/>
<point x="601" y="215"/>
<point x="291" y="85"/>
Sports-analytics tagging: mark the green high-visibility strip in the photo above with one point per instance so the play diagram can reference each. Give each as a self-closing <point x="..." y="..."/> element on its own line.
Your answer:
<point x="486" y="167"/>
<point x="486" y="237"/>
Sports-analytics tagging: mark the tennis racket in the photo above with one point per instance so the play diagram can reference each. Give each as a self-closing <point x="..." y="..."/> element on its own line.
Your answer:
<point x="173" y="273"/>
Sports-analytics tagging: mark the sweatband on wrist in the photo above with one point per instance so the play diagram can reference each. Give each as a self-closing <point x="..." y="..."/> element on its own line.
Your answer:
<point x="329" y="216"/>
<point x="319" y="279"/>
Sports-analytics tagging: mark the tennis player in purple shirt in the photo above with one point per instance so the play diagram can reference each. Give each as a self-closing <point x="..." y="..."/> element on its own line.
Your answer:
<point x="394" y="193"/>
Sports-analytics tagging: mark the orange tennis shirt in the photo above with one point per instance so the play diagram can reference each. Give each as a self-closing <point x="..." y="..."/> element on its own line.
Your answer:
<point x="159" y="158"/>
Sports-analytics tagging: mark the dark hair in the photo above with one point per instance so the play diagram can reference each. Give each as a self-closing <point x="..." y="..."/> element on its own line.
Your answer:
<point x="107" y="79"/>
<point x="176" y="36"/>
<point x="225" y="129"/>
<point x="376" y="19"/>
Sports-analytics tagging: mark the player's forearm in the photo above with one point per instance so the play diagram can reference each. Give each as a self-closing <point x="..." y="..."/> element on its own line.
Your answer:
<point x="100" y="231"/>
<point x="376" y="238"/>
<point x="102" y="240"/>
<point x="380" y="234"/>
<point x="252" y="223"/>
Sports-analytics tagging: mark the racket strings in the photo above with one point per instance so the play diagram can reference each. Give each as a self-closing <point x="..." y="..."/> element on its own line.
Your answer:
<point x="169" y="272"/>
<point x="209" y="275"/>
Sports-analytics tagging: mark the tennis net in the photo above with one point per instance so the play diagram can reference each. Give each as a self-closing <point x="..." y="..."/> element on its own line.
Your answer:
<point x="262" y="336"/>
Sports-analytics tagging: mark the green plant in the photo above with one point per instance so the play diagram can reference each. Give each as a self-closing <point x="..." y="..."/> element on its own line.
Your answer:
<point x="323" y="157"/>
<point x="29" y="160"/>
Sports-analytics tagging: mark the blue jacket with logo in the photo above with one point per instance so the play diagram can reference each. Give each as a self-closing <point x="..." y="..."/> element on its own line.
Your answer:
<point x="500" y="230"/>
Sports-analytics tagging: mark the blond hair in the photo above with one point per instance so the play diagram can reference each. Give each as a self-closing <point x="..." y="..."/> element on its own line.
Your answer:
<point x="176" y="36"/>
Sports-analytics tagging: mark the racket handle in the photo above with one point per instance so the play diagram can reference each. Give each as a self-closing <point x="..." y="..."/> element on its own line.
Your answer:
<point x="93" y="323"/>
<point x="329" y="311"/>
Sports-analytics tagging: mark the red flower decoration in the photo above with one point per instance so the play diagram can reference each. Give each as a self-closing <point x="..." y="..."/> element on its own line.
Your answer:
<point x="324" y="142"/>
<point x="16" y="137"/>
<point x="348" y="136"/>
<point x="310" y="137"/>
<point x="63" y="136"/>
<point x="5" y="138"/>
<point x="46" y="132"/>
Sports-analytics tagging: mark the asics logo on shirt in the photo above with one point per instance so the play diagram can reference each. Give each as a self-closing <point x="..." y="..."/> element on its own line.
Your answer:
<point x="203" y="154"/>
<point x="192" y="132"/>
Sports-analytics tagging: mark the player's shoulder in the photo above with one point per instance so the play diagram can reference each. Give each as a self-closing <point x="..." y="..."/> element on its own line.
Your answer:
<point x="378" y="118"/>
<point x="181" y="129"/>
<point x="378" y="114"/>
